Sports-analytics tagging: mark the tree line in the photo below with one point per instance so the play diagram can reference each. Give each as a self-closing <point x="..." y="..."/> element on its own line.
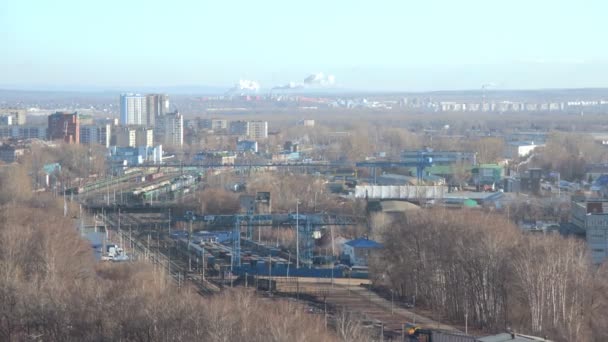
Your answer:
<point x="51" y="289"/>
<point x="477" y="265"/>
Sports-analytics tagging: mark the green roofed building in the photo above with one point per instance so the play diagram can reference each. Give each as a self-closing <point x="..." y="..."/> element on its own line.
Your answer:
<point x="488" y="174"/>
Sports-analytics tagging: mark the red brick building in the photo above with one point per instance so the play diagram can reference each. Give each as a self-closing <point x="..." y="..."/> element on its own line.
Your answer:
<point x="64" y="126"/>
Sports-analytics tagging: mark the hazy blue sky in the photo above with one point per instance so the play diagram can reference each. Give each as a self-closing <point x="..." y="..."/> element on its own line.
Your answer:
<point x="397" y="44"/>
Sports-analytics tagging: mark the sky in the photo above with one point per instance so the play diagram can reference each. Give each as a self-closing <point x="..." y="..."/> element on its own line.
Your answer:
<point x="376" y="45"/>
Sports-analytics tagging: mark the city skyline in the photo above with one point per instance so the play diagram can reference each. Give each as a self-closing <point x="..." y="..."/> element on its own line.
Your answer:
<point x="394" y="46"/>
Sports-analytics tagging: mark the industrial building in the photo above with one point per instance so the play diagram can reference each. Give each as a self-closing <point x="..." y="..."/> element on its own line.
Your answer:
<point x="440" y="157"/>
<point x="591" y="215"/>
<point x="215" y="158"/>
<point x="247" y="146"/>
<point x="64" y="126"/>
<point x="487" y="174"/>
<point x="129" y="156"/>
<point x="517" y="149"/>
<point x="358" y="251"/>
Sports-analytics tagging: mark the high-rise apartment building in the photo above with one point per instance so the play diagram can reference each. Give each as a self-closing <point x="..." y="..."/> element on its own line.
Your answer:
<point x="133" y="109"/>
<point x="251" y="129"/>
<point x="144" y="110"/>
<point x="258" y="129"/>
<point x="157" y="105"/>
<point x="124" y="137"/>
<point x="239" y="128"/>
<point x="144" y="137"/>
<point x="64" y="126"/>
<point x="213" y="124"/>
<point x="24" y="132"/>
<point x="133" y="137"/>
<point x="96" y="134"/>
<point x="17" y="116"/>
<point x="6" y="120"/>
<point x="173" y="129"/>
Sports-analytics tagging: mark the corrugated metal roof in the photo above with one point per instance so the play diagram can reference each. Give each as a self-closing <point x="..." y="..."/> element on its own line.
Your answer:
<point x="506" y="337"/>
<point x="363" y="243"/>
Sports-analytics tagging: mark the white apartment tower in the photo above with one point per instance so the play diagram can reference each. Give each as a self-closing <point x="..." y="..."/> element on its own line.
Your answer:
<point x="133" y="109"/>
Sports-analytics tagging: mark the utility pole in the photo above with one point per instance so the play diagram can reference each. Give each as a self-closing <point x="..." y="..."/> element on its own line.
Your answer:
<point x="288" y="262"/>
<point x="269" y="273"/>
<point x="297" y="234"/>
<point x="466" y="318"/>
<point x="559" y="190"/>
<point x="203" y="263"/>
<point x="392" y="302"/>
<point x="190" y="254"/>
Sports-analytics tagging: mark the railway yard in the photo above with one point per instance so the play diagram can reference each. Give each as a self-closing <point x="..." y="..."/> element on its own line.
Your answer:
<point x="204" y="263"/>
<point x="210" y="253"/>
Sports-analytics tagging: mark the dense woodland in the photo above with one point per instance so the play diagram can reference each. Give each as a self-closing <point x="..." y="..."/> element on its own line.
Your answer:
<point x="455" y="263"/>
<point x="52" y="290"/>
<point x="478" y="265"/>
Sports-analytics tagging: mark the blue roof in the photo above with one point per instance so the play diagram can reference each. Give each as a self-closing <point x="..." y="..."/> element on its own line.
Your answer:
<point x="50" y="168"/>
<point x="364" y="243"/>
<point x="601" y="180"/>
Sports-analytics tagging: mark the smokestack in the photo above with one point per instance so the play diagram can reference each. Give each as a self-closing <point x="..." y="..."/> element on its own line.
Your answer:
<point x="247" y="85"/>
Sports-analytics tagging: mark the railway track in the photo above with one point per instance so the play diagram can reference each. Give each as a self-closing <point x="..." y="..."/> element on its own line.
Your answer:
<point x="337" y="296"/>
<point x="159" y="252"/>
